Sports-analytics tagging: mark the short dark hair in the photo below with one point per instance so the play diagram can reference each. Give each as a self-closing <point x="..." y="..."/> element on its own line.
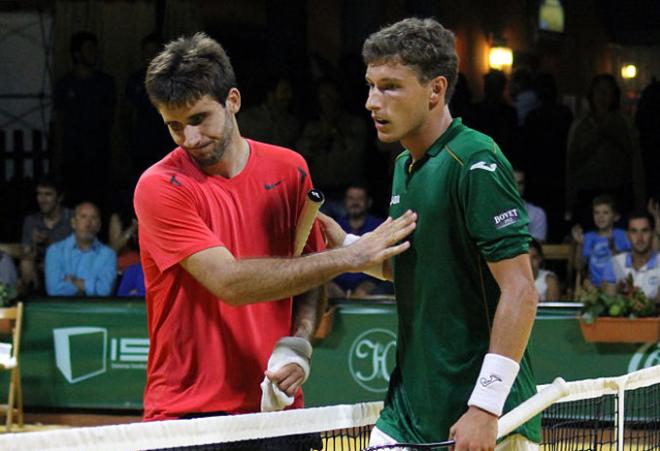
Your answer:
<point x="423" y="44"/>
<point x="641" y="214"/>
<point x="49" y="181"/>
<point x="605" y="199"/>
<point x="189" y="68"/>
<point x="78" y="39"/>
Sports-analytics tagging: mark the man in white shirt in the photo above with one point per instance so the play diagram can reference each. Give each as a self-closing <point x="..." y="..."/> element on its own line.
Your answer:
<point x="538" y="222"/>
<point x="642" y="262"/>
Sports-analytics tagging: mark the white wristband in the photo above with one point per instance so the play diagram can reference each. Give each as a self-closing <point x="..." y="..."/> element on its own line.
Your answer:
<point x="494" y="383"/>
<point x="349" y="239"/>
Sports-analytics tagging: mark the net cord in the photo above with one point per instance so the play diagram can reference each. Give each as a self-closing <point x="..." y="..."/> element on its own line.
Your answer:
<point x="173" y="433"/>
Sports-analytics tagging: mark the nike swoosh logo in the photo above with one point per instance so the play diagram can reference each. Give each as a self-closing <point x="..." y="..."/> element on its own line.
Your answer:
<point x="482" y="165"/>
<point x="270" y="186"/>
<point x="174" y="181"/>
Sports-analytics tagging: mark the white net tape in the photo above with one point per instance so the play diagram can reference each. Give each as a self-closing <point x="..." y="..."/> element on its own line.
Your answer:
<point x="173" y="433"/>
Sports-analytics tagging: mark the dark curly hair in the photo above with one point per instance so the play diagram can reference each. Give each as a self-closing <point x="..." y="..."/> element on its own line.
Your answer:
<point x="187" y="69"/>
<point x="423" y="44"/>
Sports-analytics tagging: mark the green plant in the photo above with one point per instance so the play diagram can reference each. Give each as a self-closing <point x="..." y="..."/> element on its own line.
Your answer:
<point x="7" y="294"/>
<point x="629" y="301"/>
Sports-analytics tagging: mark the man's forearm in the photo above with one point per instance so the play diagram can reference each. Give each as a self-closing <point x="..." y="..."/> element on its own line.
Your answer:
<point x="247" y="281"/>
<point x="513" y="322"/>
<point x="308" y="308"/>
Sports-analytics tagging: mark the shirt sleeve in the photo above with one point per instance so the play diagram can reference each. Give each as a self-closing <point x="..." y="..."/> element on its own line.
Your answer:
<point x="26" y="236"/>
<point x="621" y="241"/>
<point x="54" y="273"/>
<point x="7" y="270"/>
<point x="170" y="226"/>
<point x="494" y="213"/>
<point x="103" y="279"/>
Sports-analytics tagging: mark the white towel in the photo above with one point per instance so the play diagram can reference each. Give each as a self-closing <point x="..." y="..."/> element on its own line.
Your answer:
<point x="287" y="350"/>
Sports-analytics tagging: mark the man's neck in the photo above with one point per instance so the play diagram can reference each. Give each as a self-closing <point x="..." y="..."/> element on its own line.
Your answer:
<point x="419" y="141"/>
<point x="356" y="222"/>
<point x="54" y="215"/>
<point x="234" y="159"/>
<point x="84" y="245"/>
<point x="639" y="260"/>
<point x="83" y="70"/>
<point x="607" y="232"/>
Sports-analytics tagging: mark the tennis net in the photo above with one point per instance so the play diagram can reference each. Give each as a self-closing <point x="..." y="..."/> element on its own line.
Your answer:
<point x="621" y="413"/>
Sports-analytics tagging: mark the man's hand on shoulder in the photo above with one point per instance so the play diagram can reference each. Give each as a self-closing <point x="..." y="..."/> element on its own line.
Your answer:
<point x="476" y="430"/>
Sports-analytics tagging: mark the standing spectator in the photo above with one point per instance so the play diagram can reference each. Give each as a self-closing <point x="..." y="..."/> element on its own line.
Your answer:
<point x="546" y="282"/>
<point x="538" y="223"/>
<point x="603" y="154"/>
<point x="334" y="145"/>
<point x="647" y="119"/>
<point x="596" y="248"/>
<point x="642" y="260"/>
<point x="544" y="137"/>
<point x="50" y="224"/>
<point x="494" y="116"/>
<point x="80" y="265"/>
<point x="357" y="221"/>
<point x="271" y="121"/>
<point x="83" y="101"/>
<point x="525" y="99"/>
<point x="148" y="140"/>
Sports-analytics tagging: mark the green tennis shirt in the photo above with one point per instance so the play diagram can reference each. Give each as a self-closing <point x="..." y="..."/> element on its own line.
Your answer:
<point x="469" y="212"/>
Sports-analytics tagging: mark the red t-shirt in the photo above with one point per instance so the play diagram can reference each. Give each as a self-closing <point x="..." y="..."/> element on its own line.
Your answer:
<point x="204" y="354"/>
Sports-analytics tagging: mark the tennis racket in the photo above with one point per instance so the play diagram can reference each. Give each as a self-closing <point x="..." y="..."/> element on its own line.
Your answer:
<point x="412" y="446"/>
<point x="507" y="424"/>
<point x="313" y="202"/>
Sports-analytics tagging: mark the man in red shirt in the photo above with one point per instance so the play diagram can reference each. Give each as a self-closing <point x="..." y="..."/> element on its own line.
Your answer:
<point x="217" y="222"/>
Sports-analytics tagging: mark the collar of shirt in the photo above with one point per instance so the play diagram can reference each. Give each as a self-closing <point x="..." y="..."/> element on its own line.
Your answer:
<point x="437" y="145"/>
<point x="74" y="245"/>
<point x="651" y="264"/>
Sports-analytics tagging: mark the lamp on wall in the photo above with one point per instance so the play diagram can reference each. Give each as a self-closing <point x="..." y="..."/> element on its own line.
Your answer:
<point x="628" y="71"/>
<point x="500" y="58"/>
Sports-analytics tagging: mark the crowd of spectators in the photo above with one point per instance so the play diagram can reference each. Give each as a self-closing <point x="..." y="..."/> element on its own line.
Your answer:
<point x="571" y="171"/>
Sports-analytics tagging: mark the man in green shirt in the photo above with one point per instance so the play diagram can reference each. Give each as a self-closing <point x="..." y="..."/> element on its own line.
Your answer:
<point x="465" y="292"/>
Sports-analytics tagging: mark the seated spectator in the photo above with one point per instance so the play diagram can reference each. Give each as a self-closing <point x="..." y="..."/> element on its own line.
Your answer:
<point x="122" y="230"/>
<point x="600" y="245"/>
<point x="641" y="261"/>
<point x="334" y="146"/>
<point x="357" y="221"/>
<point x="132" y="282"/>
<point x="50" y="224"/>
<point x="80" y="265"/>
<point x="8" y="276"/>
<point x="538" y="223"/>
<point x="271" y="120"/>
<point x="547" y="283"/>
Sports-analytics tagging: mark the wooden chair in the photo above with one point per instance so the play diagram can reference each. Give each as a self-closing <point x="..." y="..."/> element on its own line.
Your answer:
<point x="14" y="406"/>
